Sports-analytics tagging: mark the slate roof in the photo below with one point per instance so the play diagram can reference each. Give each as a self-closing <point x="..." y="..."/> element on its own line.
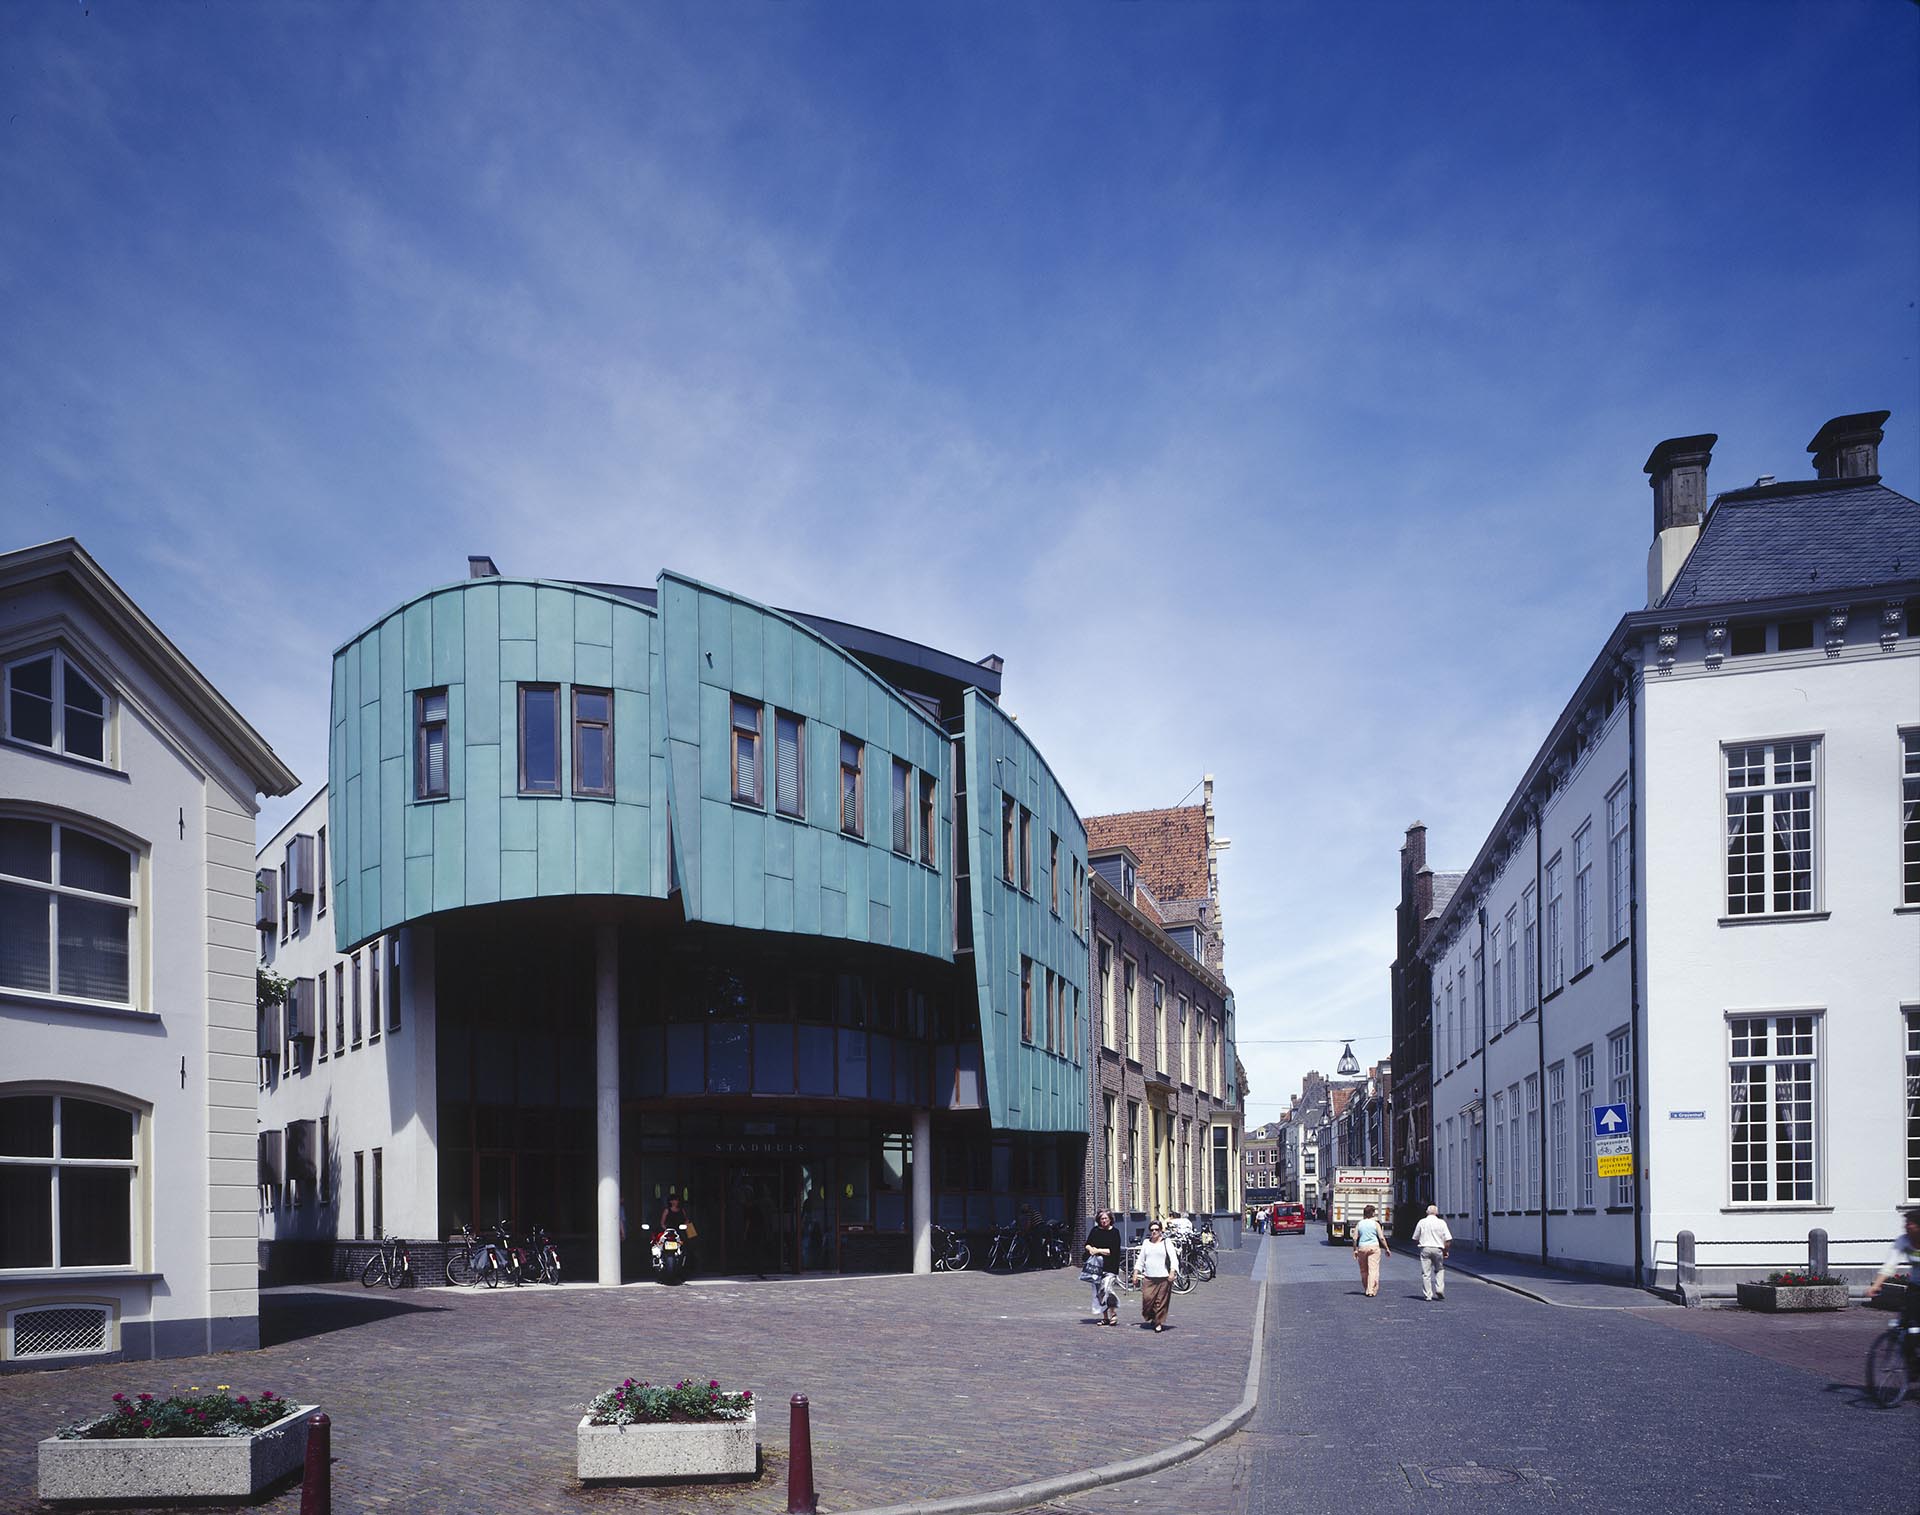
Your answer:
<point x="1444" y="887"/>
<point x="1171" y="846"/>
<point x="1805" y="536"/>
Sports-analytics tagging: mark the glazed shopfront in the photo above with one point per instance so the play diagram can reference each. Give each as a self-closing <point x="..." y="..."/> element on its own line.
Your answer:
<point x="772" y="1083"/>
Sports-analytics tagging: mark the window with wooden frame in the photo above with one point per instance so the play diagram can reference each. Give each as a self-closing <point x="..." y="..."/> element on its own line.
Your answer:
<point x="902" y="815"/>
<point x="1026" y="850"/>
<point x="69" y="1182"/>
<point x="1129" y="1005"/>
<point x="339" y="1008"/>
<point x="320" y="873"/>
<point x="789" y="765"/>
<point x="69" y="910"/>
<point x="1026" y="1000"/>
<point x="393" y="983"/>
<point x="357" y="1026"/>
<point x="1008" y="837"/>
<point x="539" y="738"/>
<point x="593" y="742"/>
<point x="1053" y="871"/>
<point x="747" y="786"/>
<point x="52" y="704"/>
<point x="929" y="820"/>
<point x="853" y="788"/>
<point x="430" y="744"/>
<point x="373" y="990"/>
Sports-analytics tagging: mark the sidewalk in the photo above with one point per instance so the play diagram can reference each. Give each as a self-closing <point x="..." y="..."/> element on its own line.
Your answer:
<point x="921" y="1388"/>
<point x="1567" y="1291"/>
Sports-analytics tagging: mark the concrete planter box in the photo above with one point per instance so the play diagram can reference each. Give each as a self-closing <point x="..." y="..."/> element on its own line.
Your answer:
<point x="174" y="1467"/>
<point x="666" y="1450"/>
<point x="1775" y="1297"/>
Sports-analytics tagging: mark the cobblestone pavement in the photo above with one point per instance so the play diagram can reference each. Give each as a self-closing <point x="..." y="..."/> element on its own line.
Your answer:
<point x="1501" y="1405"/>
<point x="445" y="1400"/>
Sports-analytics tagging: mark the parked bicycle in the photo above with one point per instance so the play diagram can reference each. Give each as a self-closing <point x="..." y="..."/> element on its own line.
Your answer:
<point x="1051" y="1247"/>
<point x="542" y="1256"/>
<point x="950" y="1254"/>
<point x="473" y="1260"/>
<point x="1196" y="1255"/>
<point x="1008" y="1249"/>
<point x="392" y="1265"/>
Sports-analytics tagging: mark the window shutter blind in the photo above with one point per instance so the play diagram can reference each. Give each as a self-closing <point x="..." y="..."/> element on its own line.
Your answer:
<point x="786" y="762"/>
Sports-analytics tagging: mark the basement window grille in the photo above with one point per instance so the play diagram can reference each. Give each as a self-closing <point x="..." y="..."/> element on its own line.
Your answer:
<point x="59" y="1332"/>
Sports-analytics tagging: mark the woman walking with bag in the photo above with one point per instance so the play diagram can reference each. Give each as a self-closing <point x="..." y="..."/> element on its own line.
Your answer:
<point x="1369" y="1246"/>
<point x="1153" y="1271"/>
<point x="1103" y="1263"/>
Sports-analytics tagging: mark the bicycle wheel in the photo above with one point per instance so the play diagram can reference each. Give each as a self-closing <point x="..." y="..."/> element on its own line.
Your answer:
<point x="375" y="1271"/>
<point x="401" y="1270"/>
<point x="1017" y="1254"/>
<point x="490" y="1270"/>
<point x="459" y="1267"/>
<point x="1182" y="1280"/>
<point x="549" y="1266"/>
<point x="1203" y="1265"/>
<point x="959" y="1257"/>
<point x="1887" y="1374"/>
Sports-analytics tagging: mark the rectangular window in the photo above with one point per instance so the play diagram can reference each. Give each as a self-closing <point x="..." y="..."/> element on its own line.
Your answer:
<point x="853" y="759"/>
<point x="745" y="725"/>
<point x="1619" y="864"/>
<point x="1620" y="1072"/>
<point x="320" y="872"/>
<point x="1026" y="999"/>
<point x="902" y="813"/>
<point x="929" y="820"/>
<point x="1493" y="947"/>
<point x="1770" y="827"/>
<point x="1583" y="1117"/>
<point x="1009" y="838"/>
<point x="1518" y="1169"/>
<point x="1500" y="1152"/>
<point x="1158" y="1037"/>
<point x="1111" y="1127"/>
<point x="1533" y="1141"/>
<point x="1513" y="963"/>
<point x="322" y="1179"/>
<point x="1529" y="955"/>
<point x="1026" y="850"/>
<point x="379" y="1197"/>
<point x="1557" y="1136"/>
<point x="1910" y="817"/>
<point x="1129" y="1005"/>
<point x="539" y="738"/>
<point x="1133" y="1153"/>
<point x="358" y="1030"/>
<point x="1583" y="897"/>
<point x="359" y="1196"/>
<point x="789" y="765"/>
<point x="339" y="1008"/>
<point x="373" y="990"/>
<point x="593" y="742"/>
<point x="1446" y="1060"/>
<point x="67" y="913"/>
<point x="320" y="1011"/>
<point x="69" y="1189"/>
<point x="1772" y="1067"/>
<point x="1793" y="636"/>
<point x="1556" y="934"/>
<point x="1105" y="990"/>
<point x="51" y="703"/>
<point x="1053" y="871"/>
<point x="1913" y="1104"/>
<point x="393" y="983"/>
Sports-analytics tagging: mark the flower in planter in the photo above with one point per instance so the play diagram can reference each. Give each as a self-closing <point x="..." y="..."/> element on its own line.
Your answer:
<point x="1801" y="1278"/>
<point x="192" y="1414"/>
<point x="629" y="1403"/>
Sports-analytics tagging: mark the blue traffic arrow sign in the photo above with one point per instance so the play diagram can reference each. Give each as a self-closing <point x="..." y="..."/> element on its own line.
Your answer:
<point x="1609" y="1120"/>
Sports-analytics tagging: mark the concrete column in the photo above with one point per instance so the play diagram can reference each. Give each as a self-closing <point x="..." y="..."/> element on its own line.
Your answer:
<point x="606" y="1068"/>
<point x="922" y="1191"/>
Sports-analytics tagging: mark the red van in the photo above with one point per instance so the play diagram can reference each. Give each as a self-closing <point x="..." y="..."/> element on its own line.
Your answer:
<point x="1288" y="1219"/>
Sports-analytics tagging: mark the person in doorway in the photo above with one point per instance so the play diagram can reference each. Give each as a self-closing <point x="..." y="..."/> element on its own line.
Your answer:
<point x="1435" y="1242"/>
<point x="1369" y="1248"/>
<point x="1153" y="1271"/>
<point x="675" y="1214"/>
<point x="1103" y="1248"/>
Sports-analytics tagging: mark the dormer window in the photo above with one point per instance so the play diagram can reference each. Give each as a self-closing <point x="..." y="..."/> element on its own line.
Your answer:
<point x="52" y="704"/>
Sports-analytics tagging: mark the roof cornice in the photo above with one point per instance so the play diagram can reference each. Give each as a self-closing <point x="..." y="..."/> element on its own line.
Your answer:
<point x="67" y="560"/>
<point x="1112" y="898"/>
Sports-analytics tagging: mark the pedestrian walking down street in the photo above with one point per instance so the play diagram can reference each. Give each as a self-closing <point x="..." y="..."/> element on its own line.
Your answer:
<point x="1153" y="1271"/>
<point x="1104" y="1261"/>
<point x="1435" y="1242"/>
<point x="1369" y="1247"/>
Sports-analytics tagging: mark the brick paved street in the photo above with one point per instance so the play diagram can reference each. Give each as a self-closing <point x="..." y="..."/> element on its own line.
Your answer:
<point x="463" y="1400"/>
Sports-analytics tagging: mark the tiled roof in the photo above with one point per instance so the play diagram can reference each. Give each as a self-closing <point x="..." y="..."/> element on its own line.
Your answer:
<point x="1340" y="1097"/>
<point x="1444" y="885"/>
<point x="1171" y="846"/>
<point x="1802" y="537"/>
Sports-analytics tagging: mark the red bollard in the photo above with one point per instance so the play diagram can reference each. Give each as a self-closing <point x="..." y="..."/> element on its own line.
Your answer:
<point x="316" y="1484"/>
<point x="802" y="1499"/>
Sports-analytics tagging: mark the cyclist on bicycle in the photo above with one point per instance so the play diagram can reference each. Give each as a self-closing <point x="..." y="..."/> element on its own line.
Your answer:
<point x="1905" y="1249"/>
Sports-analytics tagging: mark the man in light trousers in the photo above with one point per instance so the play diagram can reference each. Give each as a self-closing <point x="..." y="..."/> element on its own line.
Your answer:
<point x="1435" y="1242"/>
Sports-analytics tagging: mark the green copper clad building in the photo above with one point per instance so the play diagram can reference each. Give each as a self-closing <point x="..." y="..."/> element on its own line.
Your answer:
<point x="773" y="912"/>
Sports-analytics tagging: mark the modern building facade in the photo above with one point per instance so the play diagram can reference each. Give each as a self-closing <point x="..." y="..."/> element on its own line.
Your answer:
<point x="1702" y="903"/>
<point x="128" y="791"/>
<point x="686" y="895"/>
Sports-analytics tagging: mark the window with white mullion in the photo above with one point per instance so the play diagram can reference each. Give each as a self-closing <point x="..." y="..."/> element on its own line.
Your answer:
<point x="1913" y="1103"/>
<point x="67" y="1189"/>
<point x="1557" y="1136"/>
<point x="1583" y="1117"/>
<point x="1773" y="1068"/>
<point x="1514" y="1007"/>
<point x="1770" y="790"/>
<point x="1620" y="1074"/>
<point x="1533" y="1141"/>
<point x="1529" y="919"/>
<point x="1518" y="1168"/>
<point x="1499" y="1152"/>
<point x="1619" y="864"/>
<point x="66" y="912"/>
<point x="1910" y="817"/>
<point x="1500" y="1017"/>
<point x="1556" y="943"/>
<point x="51" y="703"/>
<point x="1583" y="898"/>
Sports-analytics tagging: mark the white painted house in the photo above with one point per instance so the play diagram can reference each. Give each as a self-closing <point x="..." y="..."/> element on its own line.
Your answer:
<point x="127" y="803"/>
<point x="347" y="1110"/>
<point x="1702" y="902"/>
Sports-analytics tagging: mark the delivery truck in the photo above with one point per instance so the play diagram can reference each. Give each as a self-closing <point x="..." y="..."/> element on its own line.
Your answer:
<point x="1353" y="1190"/>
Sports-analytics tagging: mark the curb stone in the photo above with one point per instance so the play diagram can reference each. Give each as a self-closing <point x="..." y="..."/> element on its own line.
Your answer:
<point x="1023" y="1496"/>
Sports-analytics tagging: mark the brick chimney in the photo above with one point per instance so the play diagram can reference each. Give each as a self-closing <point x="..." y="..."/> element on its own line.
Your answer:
<point x="1848" y="447"/>
<point x="1677" y="471"/>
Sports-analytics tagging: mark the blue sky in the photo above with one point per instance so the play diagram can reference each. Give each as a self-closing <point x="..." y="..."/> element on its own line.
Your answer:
<point x="1268" y="384"/>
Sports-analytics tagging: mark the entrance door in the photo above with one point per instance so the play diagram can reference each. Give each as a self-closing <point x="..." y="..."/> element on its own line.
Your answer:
<point x="759" y="1218"/>
<point x="493" y="1189"/>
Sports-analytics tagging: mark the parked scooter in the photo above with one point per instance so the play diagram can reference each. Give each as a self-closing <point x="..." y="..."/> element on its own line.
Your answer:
<point x="670" y="1260"/>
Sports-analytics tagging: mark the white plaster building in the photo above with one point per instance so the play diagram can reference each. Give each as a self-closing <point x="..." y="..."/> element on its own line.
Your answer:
<point x="127" y="801"/>
<point x="347" y="1113"/>
<point x="1703" y="901"/>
